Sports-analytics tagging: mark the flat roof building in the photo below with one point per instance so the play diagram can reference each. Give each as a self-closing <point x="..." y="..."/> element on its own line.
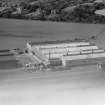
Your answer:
<point x="93" y="56"/>
<point x="47" y="51"/>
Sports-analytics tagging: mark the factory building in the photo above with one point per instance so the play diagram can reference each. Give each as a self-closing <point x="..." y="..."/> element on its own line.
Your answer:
<point x="86" y="57"/>
<point x="64" y="53"/>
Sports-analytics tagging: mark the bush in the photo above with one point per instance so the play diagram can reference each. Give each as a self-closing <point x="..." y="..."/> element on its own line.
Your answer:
<point x="84" y="11"/>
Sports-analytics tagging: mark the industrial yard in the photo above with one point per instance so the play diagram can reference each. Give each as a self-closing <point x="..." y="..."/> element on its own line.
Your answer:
<point x="76" y="86"/>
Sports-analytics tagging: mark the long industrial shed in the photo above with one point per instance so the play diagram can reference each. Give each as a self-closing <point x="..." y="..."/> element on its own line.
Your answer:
<point x="65" y="52"/>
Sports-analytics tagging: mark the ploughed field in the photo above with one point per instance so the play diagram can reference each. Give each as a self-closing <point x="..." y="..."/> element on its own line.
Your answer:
<point x="77" y="86"/>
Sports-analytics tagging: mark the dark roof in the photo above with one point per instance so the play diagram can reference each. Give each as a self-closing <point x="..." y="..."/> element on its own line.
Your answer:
<point x="55" y="42"/>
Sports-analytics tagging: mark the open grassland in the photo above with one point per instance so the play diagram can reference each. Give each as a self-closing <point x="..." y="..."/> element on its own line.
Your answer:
<point x="15" y="33"/>
<point x="79" y="86"/>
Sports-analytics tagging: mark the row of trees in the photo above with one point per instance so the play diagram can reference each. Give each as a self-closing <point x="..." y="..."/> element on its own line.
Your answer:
<point x="57" y="10"/>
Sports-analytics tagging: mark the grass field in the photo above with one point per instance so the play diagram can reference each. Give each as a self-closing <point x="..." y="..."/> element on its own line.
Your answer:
<point x="15" y="33"/>
<point x="79" y="86"/>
